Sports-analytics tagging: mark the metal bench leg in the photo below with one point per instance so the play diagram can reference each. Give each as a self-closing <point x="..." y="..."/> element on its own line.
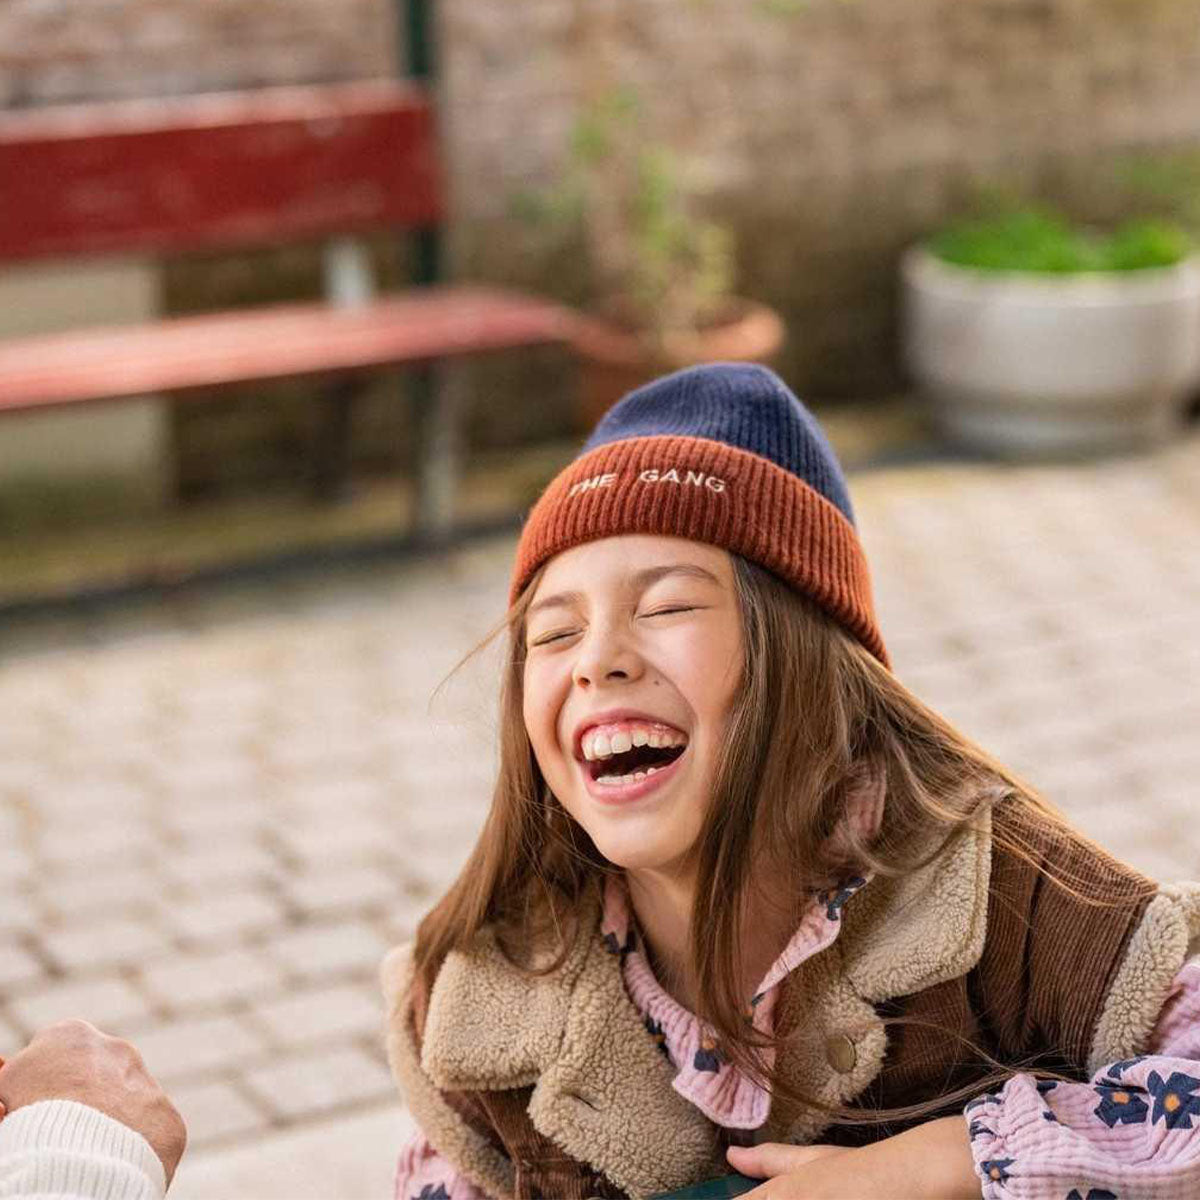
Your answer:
<point x="438" y="397"/>
<point x="331" y="455"/>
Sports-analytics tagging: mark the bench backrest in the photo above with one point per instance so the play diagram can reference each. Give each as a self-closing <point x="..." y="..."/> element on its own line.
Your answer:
<point x="227" y="169"/>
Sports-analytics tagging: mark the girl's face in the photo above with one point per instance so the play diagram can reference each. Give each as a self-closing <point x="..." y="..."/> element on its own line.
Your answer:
<point x="633" y="657"/>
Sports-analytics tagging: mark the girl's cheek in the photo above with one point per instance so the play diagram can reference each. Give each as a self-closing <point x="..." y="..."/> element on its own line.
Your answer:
<point x="542" y="700"/>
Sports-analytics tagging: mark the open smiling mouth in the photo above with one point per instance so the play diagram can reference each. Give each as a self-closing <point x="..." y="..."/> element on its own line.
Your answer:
<point x="632" y="765"/>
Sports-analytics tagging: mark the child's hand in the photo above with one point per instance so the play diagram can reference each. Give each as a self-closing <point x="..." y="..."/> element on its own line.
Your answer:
<point x="932" y="1161"/>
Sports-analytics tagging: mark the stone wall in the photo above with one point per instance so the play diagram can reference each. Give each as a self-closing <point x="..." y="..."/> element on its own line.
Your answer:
<point x="58" y="51"/>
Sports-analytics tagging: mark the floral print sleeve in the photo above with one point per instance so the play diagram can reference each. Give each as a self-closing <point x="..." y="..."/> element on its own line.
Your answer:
<point x="423" y="1174"/>
<point x="1132" y="1131"/>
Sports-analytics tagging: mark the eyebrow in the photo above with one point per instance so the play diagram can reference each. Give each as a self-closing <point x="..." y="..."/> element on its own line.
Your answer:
<point x="641" y="579"/>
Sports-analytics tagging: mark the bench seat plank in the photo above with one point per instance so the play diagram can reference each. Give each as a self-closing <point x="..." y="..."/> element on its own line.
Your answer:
<point x="281" y="342"/>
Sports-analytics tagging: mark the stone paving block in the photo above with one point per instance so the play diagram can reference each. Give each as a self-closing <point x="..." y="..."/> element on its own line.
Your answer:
<point x="341" y="889"/>
<point x="95" y="847"/>
<point x="1163" y="849"/>
<point x="191" y="736"/>
<point x="107" y="758"/>
<point x="306" y="799"/>
<point x="197" y="1045"/>
<point x="94" y="799"/>
<point x="71" y="895"/>
<point x="186" y="982"/>
<point x="455" y="827"/>
<point x="1166" y="756"/>
<point x="111" y="1003"/>
<point x="304" y="1086"/>
<point x="200" y="785"/>
<point x="18" y="914"/>
<point x="428" y="876"/>
<point x="15" y="867"/>
<point x="205" y="864"/>
<point x="345" y="1156"/>
<point x="324" y="1014"/>
<point x="216" y="735"/>
<point x="200" y="822"/>
<point x="17" y="965"/>
<point x="355" y="839"/>
<point x="330" y="948"/>
<point x="22" y="778"/>
<point x="104" y="943"/>
<point x="237" y="696"/>
<point x="217" y="918"/>
<point x="309" y="757"/>
<point x="13" y="822"/>
<point x="216" y="1111"/>
<point x="24" y="733"/>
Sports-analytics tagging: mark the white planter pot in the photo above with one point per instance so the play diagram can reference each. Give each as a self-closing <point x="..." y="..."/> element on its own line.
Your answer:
<point x="1023" y="365"/>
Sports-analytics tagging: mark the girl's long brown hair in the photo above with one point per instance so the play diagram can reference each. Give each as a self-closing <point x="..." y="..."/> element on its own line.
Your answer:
<point x="815" y="714"/>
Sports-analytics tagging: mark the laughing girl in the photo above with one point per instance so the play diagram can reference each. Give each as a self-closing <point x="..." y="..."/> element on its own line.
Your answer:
<point x="742" y="902"/>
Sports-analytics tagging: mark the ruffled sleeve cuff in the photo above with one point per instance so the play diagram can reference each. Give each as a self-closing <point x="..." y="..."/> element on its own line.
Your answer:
<point x="424" y="1174"/>
<point x="1133" y="1130"/>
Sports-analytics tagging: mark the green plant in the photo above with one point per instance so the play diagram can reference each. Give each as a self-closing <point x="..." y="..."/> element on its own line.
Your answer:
<point x="657" y="266"/>
<point x="1040" y="240"/>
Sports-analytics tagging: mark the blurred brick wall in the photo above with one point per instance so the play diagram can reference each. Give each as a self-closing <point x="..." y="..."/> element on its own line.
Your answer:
<point x="58" y="51"/>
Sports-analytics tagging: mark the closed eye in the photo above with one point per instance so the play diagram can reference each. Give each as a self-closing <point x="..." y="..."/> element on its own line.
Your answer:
<point x="660" y="612"/>
<point x="553" y="637"/>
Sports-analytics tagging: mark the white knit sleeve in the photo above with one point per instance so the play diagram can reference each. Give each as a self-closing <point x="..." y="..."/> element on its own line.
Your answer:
<point x="61" y="1150"/>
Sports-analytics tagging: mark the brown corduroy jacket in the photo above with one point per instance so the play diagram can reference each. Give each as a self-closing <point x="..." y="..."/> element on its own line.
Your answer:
<point x="551" y="1086"/>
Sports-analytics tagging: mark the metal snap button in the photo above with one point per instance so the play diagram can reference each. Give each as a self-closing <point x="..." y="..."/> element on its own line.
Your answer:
<point x="840" y="1053"/>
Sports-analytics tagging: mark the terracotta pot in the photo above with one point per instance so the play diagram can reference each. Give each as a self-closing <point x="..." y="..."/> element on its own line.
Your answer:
<point x="613" y="360"/>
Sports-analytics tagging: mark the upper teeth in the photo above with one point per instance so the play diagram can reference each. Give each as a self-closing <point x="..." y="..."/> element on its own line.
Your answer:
<point x="603" y="742"/>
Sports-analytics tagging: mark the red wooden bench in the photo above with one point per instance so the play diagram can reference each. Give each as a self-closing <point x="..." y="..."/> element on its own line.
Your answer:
<point x="242" y="169"/>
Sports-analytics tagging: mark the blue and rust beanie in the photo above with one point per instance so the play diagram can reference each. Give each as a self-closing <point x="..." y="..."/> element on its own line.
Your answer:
<point x="726" y="454"/>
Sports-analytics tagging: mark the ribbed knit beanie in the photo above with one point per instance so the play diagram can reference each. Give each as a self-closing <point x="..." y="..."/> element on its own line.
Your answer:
<point x="726" y="454"/>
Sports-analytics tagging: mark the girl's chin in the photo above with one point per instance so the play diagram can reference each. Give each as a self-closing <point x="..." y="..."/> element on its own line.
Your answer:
<point x="633" y="837"/>
<point x="641" y="853"/>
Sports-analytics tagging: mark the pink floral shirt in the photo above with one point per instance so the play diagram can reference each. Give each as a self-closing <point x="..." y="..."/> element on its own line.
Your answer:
<point x="1131" y="1133"/>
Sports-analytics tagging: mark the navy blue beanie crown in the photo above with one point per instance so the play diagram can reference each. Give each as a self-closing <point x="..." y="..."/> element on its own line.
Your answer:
<point x="723" y="453"/>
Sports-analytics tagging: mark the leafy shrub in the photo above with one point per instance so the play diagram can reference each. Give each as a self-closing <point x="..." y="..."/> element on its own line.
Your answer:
<point x="1042" y="241"/>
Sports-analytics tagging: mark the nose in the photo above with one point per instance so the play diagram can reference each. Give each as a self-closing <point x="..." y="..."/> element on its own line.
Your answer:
<point x="605" y="656"/>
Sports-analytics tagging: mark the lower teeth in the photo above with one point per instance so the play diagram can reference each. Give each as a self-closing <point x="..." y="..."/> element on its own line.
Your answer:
<point x="624" y="780"/>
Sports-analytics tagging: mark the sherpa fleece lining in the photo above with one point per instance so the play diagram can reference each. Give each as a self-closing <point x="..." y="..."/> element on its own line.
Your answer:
<point x="446" y="1131"/>
<point x="1169" y="933"/>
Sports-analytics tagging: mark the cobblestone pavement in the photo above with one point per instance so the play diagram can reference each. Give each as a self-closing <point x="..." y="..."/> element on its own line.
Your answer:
<point x="217" y="811"/>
